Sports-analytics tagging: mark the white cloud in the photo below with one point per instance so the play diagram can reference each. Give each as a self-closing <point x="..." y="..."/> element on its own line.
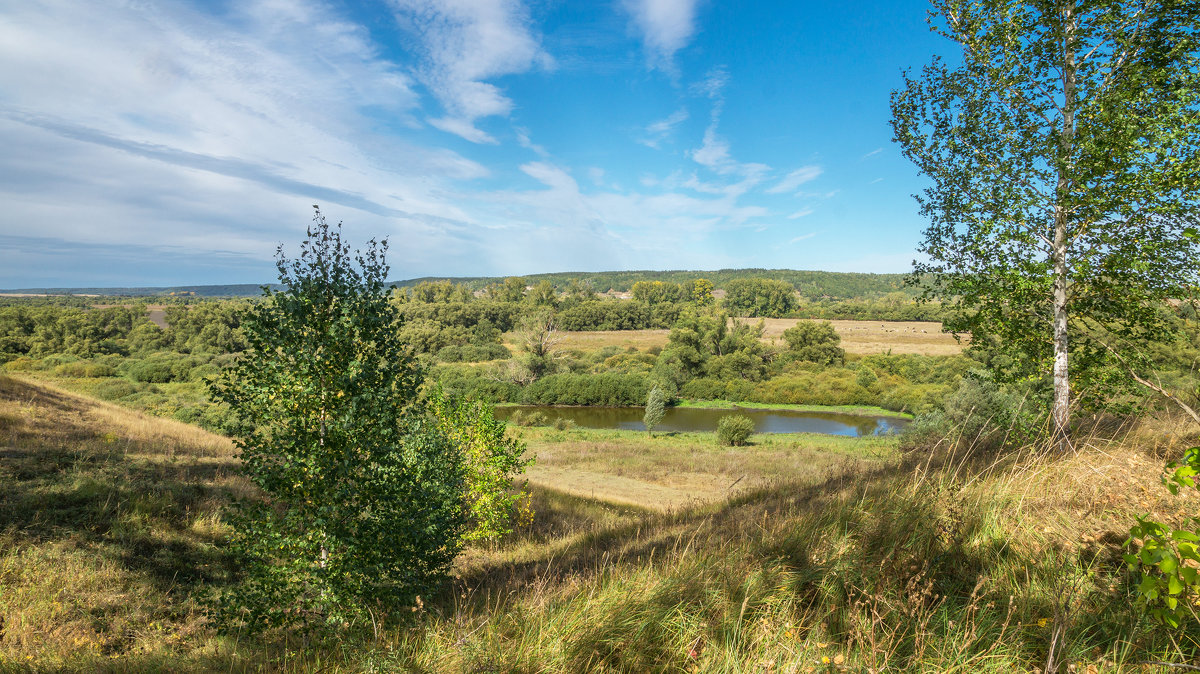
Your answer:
<point x="802" y="237"/>
<point x="154" y="125"/>
<point x="658" y="131"/>
<point x="795" y="179"/>
<point x="714" y="152"/>
<point x="872" y="153"/>
<point x="524" y="141"/>
<point x="800" y="213"/>
<point x="665" y="26"/>
<point x="713" y="83"/>
<point x="462" y="44"/>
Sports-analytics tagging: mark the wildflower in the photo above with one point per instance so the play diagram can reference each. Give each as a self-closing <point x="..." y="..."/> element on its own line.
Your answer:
<point x="1042" y="622"/>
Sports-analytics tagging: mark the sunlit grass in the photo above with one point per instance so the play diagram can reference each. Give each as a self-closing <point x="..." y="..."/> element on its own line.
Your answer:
<point x="111" y="525"/>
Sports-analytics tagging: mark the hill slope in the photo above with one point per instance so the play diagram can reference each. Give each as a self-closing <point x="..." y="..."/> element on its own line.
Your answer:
<point x="110" y="526"/>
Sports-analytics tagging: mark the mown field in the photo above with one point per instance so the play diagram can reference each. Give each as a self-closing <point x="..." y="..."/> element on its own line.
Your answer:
<point x="838" y="557"/>
<point x="858" y="337"/>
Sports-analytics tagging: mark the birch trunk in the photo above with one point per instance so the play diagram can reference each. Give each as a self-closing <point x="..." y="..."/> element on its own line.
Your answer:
<point x="1060" y="412"/>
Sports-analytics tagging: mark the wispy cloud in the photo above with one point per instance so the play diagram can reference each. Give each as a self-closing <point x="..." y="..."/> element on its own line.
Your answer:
<point x="795" y="179"/>
<point x="872" y="153"/>
<point x="800" y="213"/>
<point x="666" y="26"/>
<point x="524" y="141"/>
<point x="802" y="237"/>
<point x="658" y="131"/>
<point x="463" y="43"/>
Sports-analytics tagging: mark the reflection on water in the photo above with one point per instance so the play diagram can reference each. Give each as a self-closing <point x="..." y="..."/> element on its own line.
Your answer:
<point x="702" y="420"/>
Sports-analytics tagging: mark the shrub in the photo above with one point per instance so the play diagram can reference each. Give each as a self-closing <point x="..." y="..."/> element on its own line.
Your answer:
<point x="529" y="418"/>
<point x="152" y="372"/>
<point x="734" y="429"/>
<point x="85" y="369"/>
<point x="612" y="390"/>
<point x="115" y="389"/>
<point x="561" y="424"/>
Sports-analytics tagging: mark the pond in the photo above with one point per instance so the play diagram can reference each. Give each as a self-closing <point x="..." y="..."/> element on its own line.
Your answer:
<point x="696" y="419"/>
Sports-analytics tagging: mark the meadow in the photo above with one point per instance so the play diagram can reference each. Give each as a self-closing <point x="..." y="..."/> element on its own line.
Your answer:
<point x="828" y="555"/>
<point x="951" y="548"/>
<point x="858" y="337"/>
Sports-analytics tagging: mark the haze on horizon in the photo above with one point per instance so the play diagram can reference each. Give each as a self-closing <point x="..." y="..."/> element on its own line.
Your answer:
<point x="169" y="143"/>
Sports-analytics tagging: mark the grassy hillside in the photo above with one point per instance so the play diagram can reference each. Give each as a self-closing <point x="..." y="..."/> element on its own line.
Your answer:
<point x="937" y="562"/>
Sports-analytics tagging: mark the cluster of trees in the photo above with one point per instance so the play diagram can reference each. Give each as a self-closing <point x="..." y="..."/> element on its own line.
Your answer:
<point x="812" y="285"/>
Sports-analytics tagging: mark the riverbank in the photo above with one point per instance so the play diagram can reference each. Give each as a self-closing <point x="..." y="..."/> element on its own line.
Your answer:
<point x="857" y="410"/>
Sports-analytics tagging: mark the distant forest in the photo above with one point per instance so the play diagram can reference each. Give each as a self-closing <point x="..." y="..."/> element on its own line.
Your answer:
<point x="812" y="285"/>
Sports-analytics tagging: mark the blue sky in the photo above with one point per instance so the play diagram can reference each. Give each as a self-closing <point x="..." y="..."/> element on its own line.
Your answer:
<point x="161" y="143"/>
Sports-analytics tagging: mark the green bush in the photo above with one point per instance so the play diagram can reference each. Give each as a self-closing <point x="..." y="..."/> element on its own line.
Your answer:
<point x="152" y="372"/>
<point x="561" y="424"/>
<point x="85" y="369"/>
<point x="734" y="429"/>
<point x="611" y="390"/>
<point x="115" y="389"/>
<point x="529" y="418"/>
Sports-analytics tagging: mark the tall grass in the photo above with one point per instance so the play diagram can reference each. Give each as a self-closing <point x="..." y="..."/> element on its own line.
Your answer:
<point x="955" y="558"/>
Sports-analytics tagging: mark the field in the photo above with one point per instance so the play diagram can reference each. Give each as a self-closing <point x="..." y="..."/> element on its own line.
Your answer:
<point x="794" y="554"/>
<point x="673" y="470"/>
<point x="858" y="337"/>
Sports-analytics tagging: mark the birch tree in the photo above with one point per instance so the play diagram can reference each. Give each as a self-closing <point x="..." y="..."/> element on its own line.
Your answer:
<point x="359" y="502"/>
<point x="1063" y="152"/>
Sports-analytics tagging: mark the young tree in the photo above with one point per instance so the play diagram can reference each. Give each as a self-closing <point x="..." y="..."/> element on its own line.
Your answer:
<point x="815" y="342"/>
<point x="361" y="494"/>
<point x="1064" y="167"/>
<point x="538" y="338"/>
<point x="492" y="460"/>
<point x="656" y="403"/>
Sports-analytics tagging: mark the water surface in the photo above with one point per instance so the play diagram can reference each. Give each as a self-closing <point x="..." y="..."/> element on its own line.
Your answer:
<point x="694" y="419"/>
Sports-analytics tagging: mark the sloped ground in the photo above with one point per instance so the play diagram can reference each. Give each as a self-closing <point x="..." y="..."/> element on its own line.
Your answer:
<point x="109" y="527"/>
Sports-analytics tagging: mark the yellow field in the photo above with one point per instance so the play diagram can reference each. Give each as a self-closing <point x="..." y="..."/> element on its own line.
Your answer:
<point x="675" y="470"/>
<point x="870" y="337"/>
<point x="858" y="337"/>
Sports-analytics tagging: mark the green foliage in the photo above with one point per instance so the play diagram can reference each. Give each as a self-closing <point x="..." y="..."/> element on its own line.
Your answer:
<point x="705" y="345"/>
<point x="814" y="342"/>
<point x="529" y="418"/>
<point x="617" y="315"/>
<point x="361" y="492"/>
<point x="609" y="390"/>
<point x="734" y="430"/>
<point x="538" y="339"/>
<point x="1168" y="559"/>
<point x="659" y="292"/>
<point x="656" y="407"/>
<point x="115" y="389"/>
<point x="760" y="297"/>
<point x="1064" y="184"/>
<point x="492" y="461"/>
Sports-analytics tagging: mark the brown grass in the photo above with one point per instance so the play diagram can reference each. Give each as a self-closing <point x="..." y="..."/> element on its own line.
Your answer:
<point x="107" y="518"/>
<point x="858" y="337"/>
<point x="672" y="470"/>
<point x="872" y="337"/>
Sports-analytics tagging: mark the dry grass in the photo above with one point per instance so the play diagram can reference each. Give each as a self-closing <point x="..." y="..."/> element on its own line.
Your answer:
<point x="673" y="470"/>
<point x="107" y="519"/>
<point x="109" y="523"/>
<point x="858" y="337"/>
<point x="872" y="337"/>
